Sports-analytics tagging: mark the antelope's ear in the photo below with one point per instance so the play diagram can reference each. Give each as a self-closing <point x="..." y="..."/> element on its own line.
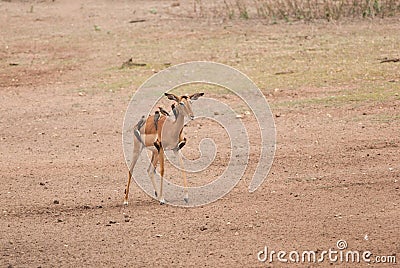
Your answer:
<point x="195" y="96"/>
<point x="171" y="96"/>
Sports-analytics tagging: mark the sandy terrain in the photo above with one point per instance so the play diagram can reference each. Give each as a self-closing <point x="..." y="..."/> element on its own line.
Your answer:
<point x="63" y="95"/>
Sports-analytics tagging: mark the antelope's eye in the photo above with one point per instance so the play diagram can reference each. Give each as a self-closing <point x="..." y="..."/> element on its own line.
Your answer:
<point x="181" y="103"/>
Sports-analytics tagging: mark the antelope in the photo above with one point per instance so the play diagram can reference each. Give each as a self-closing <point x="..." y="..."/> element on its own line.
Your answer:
<point x="161" y="132"/>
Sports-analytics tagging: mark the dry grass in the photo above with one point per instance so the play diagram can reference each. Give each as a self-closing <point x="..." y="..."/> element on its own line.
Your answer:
<point x="289" y="10"/>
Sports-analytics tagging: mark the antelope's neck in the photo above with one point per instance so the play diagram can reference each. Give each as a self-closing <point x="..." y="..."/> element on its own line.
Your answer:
<point x="171" y="132"/>
<point x="178" y="125"/>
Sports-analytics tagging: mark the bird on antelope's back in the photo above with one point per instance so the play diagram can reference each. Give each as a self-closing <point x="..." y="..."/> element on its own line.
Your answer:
<point x="156" y="118"/>
<point x="164" y="112"/>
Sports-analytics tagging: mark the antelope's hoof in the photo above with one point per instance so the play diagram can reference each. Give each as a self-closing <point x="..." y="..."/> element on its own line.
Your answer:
<point x="126" y="202"/>
<point x="186" y="199"/>
<point x="162" y="201"/>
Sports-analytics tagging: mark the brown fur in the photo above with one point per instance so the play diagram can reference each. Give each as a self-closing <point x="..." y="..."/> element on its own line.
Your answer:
<point x="150" y="128"/>
<point x="150" y="131"/>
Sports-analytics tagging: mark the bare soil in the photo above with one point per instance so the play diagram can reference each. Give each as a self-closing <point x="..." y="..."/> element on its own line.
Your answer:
<point x="63" y="95"/>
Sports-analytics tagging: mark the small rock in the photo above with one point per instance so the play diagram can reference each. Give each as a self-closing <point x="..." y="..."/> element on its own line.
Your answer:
<point x="239" y="116"/>
<point x="56" y="202"/>
<point x="203" y="228"/>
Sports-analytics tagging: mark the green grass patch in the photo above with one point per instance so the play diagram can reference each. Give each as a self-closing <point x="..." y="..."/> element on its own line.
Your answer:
<point x="348" y="97"/>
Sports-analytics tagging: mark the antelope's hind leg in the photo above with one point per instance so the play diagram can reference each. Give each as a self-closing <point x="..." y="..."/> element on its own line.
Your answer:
<point x="137" y="149"/>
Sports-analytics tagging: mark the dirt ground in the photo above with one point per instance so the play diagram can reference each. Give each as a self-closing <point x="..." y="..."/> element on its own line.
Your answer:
<point x="63" y="95"/>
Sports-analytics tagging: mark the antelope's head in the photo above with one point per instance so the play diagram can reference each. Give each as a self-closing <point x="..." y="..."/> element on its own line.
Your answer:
<point x="184" y="103"/>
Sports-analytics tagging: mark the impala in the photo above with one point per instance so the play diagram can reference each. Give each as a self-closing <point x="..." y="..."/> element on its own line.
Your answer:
<point x="161" y="132"/>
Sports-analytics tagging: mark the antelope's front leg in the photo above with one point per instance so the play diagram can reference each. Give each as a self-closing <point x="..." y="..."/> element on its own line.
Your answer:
<point x="161" y="157"/>
<point x="160" y="150"/>
<point x="152" y="169"/>
<point x="179" y="154"/>
<point x="185" y="190"/>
